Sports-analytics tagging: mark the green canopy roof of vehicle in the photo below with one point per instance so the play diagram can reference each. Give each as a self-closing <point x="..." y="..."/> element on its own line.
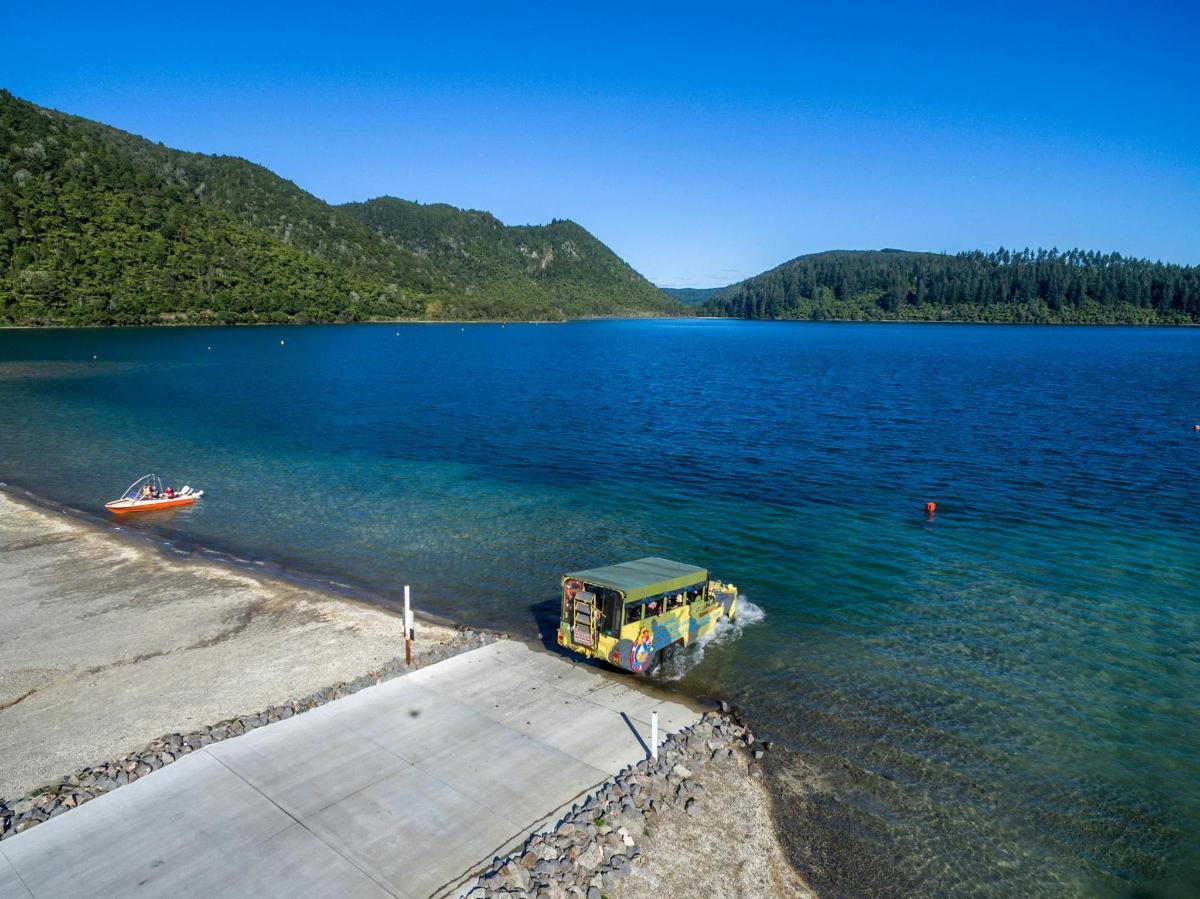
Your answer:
<point x="643" y="577"/>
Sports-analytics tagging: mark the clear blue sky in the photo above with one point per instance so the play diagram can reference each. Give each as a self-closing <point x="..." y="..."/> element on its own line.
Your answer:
<point x="703" y="143"/>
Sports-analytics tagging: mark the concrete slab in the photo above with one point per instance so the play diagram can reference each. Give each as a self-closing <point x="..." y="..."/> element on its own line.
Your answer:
<point x="307" y="763"/>
<point x="10" y="882"/>
<point x="177" y="831"/>
<point x="481" y="769"/>
<point x="412" y="831"/>
<point x="404" y="789"/>
<point x="420" y="724"/>
<point x="295" y="863"/>
<point x="619" y="698"/>
<point x="607" y="741"/>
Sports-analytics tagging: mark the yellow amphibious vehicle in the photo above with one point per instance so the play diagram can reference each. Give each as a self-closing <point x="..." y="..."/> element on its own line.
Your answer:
<point x="630" y="614"/>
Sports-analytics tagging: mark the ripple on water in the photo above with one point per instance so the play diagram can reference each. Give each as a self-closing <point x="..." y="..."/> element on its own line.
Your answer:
<point x="997" y="702"/>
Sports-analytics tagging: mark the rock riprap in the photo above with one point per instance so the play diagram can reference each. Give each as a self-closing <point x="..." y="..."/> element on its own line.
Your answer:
<point x="591" y="849"/>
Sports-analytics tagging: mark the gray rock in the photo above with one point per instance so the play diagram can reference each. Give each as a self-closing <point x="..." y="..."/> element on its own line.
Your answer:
<point x="591" y="857"/>
<point x="517" y="874"/>
<point x="692" y="807"/>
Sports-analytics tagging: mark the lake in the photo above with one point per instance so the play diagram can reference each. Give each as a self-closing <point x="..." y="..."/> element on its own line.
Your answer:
<point x="997" y="701"/>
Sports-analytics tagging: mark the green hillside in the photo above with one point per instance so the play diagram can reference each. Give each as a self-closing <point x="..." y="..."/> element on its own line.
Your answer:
<point x="98" y="226"/>
<point x="1005" y="286"/>
<point x="691" y="296"/>
<point x="545" y="269"/>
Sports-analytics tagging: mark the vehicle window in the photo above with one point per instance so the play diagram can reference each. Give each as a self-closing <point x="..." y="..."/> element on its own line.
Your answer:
<point x="634" y="613"/>
<point x="654" y="607"/>
<point x="610" y="620"/>
<point x="674" y="601"/>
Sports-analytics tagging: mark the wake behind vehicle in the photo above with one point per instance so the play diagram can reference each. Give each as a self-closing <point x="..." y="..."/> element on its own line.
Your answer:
<point x="146" y="494"/>
<point x="629" y="615"/>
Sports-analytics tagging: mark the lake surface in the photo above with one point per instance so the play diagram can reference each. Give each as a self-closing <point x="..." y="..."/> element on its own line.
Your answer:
<point x="1002" y="701"/>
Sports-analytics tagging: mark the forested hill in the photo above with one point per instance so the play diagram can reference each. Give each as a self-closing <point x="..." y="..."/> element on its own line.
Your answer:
<point x="560" y="265"/>
<point x="691" y="296"/>
<point x="98" y="226"/>
<point x="1005" y="286"/>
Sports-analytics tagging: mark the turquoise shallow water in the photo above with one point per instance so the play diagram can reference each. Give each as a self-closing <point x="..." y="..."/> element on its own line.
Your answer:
<point x="998" y="702"/>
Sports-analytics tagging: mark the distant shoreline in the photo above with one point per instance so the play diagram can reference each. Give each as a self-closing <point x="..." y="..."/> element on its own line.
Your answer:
<point x="594" y="318"/>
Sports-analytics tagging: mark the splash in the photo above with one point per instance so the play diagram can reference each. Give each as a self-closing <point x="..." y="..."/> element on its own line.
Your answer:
<point x="681" y="663"/>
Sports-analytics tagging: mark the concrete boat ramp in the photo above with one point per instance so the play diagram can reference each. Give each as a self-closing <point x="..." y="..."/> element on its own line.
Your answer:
<point x="403" y="789"/>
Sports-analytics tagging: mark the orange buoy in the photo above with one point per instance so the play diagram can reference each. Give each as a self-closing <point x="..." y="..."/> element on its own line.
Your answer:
<point x="930" y="508"/>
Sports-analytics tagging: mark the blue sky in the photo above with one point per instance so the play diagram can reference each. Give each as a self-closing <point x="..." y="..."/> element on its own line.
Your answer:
<point x="704" y="143"/>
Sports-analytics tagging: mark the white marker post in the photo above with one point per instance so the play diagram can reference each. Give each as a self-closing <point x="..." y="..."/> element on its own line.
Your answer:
<point x="408" y="629"/>
<point x="654" y="735"/>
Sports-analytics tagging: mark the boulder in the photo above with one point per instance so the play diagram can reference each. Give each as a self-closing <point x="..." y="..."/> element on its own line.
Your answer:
<point x="591" y="857"/>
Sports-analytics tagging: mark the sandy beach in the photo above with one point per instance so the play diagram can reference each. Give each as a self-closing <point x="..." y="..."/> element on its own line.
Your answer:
<point x="106" y="644"/>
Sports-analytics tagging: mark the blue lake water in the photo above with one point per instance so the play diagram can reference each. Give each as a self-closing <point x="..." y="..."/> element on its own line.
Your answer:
<point x="998" y="702"/>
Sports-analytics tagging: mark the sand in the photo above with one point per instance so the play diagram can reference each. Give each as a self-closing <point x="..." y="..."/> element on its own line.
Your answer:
<point x="729" y="849"/>
<point x="106" y="644"/>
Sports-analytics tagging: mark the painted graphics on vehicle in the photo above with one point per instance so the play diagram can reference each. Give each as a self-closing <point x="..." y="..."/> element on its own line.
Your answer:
<point x="639" y="653"/>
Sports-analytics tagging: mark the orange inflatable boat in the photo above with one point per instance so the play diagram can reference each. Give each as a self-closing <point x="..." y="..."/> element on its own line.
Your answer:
<point x="146" y="494"/>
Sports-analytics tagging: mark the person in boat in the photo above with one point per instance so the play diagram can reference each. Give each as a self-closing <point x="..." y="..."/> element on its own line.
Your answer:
<point x="147" y="492"/>
<point x="169" y="493"/>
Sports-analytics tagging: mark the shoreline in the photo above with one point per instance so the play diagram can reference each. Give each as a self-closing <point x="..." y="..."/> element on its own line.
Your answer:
<point x="53" y="530"/>
<point x="108" y="641"/>
<point x="175" y="550"/>
<point x="595" y="318"/>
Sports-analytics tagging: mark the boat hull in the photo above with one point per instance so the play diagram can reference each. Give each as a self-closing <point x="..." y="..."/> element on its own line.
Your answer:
<point x="127" y="507"/>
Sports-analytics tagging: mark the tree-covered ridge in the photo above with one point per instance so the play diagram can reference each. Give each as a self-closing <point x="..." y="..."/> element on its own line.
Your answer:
<point x="1004" y="286"/>
<point x="559" y="265"/>
<point x="98" y="226"/>
<point x="691" y="296"/>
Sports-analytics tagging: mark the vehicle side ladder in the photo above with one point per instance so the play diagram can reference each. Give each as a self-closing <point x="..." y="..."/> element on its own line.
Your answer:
<point x="583" y="619"/>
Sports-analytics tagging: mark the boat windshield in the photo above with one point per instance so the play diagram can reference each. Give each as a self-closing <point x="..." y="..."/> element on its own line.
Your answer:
<point x="135" y="489"/>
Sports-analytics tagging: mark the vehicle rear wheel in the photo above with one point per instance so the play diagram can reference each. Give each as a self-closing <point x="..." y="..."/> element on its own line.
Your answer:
<point x="664" y="655"/>
<point x="656" y="660"/>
